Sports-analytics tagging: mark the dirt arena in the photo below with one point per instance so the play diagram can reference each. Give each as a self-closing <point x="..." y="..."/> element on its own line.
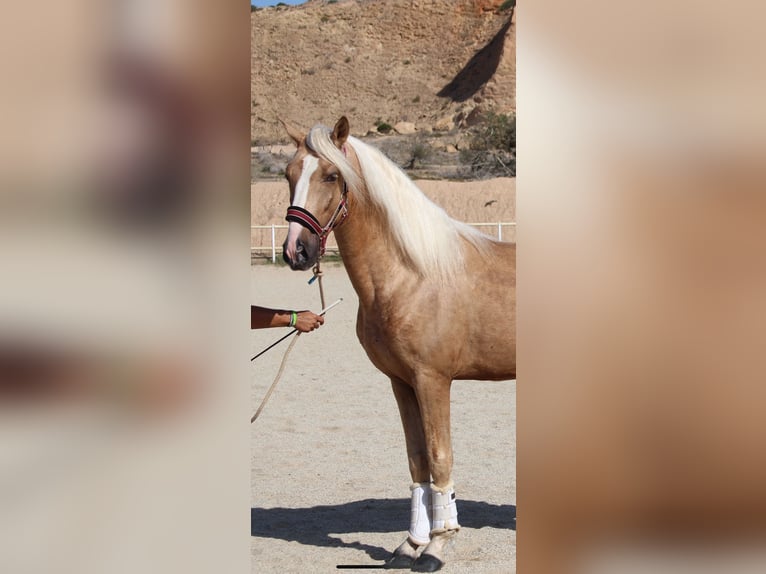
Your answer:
<point x="330" y="484"/>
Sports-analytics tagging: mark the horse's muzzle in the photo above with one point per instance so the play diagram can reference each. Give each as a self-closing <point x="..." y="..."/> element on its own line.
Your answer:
<point x="304" y="254"/>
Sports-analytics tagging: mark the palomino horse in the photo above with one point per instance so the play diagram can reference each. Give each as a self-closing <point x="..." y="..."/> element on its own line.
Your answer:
<point x="437" y="302"/>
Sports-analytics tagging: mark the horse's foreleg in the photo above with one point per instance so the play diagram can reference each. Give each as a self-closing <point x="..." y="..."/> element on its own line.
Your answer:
<point x="433" y="395"/>
<point x="417" y="456"/>
<point x="409" y="411"/>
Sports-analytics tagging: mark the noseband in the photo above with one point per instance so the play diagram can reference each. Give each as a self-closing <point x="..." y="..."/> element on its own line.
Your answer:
<point x="307" y="219"/>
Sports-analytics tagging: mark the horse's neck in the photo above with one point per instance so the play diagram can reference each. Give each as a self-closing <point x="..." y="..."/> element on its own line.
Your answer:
<point x="368" y="255"/>
<point x="374" y="265"/>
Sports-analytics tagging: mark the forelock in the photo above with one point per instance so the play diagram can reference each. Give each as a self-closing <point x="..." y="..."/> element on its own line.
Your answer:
<point x="319" y="141"/>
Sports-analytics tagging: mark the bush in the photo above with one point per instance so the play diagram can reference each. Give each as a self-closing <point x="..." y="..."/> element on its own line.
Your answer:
<point x="384" y="128"/>
<point x="496" y="132"/>
<point x="420" y="151"/>
<point x="507" y="5"/>
<point x="492" y="146"/>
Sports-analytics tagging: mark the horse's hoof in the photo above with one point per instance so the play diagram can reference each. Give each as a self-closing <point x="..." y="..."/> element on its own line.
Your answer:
<point x="400" y="561"/>
<point x="427" y="563"/>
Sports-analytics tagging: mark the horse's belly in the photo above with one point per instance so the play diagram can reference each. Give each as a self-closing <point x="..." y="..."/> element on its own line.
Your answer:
<point x="489" y="358"/>
<point x="496" y="372"/>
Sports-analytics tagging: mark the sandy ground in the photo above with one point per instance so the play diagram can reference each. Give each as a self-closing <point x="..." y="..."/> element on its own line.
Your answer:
<point x="330" y="484"/>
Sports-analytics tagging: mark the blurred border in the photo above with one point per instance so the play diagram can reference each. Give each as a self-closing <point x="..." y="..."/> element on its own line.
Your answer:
<point x="124" y="245"/>
<point x="642" y="287"/>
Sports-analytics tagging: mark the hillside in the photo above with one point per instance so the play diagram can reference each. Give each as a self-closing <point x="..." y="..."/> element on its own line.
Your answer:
<point x="436" y="64"/>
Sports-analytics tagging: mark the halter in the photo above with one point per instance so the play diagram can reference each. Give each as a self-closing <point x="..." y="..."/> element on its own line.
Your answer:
<point x="305" y="218"/>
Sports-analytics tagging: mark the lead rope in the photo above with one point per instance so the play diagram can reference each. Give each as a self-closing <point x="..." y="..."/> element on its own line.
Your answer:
<point x="276" y="379"/>
<point x="317" y="275"/>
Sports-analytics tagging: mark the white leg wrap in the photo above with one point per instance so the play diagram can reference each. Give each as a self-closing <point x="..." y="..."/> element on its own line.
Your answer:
<point x="420" y="510"/>
<point x="444" y="509"/>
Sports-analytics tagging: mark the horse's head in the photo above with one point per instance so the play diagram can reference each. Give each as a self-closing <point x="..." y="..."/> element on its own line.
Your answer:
<point x="317" y="199"/>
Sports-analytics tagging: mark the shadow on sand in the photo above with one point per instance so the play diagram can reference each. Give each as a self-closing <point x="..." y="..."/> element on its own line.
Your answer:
<point x="319" y="525"/>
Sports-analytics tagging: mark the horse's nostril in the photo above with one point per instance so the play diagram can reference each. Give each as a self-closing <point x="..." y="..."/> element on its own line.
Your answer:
<point x="299" y="248"/>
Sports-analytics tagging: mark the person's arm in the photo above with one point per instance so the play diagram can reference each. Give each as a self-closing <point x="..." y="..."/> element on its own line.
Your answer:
<point x="262" y="318"/>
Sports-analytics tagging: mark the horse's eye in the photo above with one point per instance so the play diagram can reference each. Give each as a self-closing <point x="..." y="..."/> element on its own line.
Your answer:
<point x="331" y="178"/>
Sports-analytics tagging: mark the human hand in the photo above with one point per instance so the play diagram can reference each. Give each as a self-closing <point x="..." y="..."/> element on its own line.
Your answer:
<point x="308" y="321"/>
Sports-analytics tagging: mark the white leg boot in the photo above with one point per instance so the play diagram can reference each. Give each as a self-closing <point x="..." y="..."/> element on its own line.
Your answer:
<point x="420" y="514"/>
<point x="444" y="527"/>
<point x="419" y="533"/>
<point x="444" y="509"/>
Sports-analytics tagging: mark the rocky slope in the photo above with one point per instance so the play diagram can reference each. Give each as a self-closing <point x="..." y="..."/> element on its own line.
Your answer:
<point x="423" y="64"/>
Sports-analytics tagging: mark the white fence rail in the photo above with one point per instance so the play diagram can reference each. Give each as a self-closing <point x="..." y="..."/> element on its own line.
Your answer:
<point x="265" y="241"/>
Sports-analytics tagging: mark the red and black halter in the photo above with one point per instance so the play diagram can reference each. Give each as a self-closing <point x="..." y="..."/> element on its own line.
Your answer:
<point x="307" y="219"/>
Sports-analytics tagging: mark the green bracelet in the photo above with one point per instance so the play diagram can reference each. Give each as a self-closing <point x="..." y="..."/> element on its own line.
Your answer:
<point x="293" y="318"/>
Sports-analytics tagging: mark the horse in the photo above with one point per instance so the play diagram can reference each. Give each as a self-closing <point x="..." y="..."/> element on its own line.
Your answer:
<point x="437" y="303"/>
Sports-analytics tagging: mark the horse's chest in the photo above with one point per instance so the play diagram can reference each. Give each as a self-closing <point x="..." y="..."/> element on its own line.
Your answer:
<point x="380" y="342"/>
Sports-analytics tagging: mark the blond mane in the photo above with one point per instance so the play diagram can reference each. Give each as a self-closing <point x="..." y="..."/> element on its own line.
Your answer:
<point x="422" y="230"/>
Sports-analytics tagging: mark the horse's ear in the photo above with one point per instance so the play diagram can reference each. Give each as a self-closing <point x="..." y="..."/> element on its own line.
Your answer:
<point x="294" y="133"/>
<point x="340" y="132"/>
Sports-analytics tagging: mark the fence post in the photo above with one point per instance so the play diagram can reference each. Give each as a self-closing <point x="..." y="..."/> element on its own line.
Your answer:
<point x="499" y="231"/>
<point x="273" y="244"/>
